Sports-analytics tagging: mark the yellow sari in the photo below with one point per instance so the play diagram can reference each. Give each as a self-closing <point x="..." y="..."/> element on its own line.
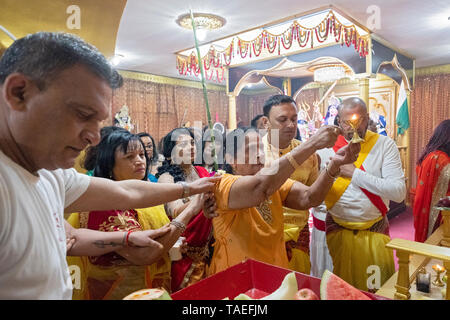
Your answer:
<point x="359" y="252"/>
<point x="115" y="282"/>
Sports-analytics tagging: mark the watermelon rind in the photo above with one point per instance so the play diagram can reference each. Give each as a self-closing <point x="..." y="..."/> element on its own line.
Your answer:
<point x="346" y="291"/>
<point x="323" y="284"/>
<point x="149" y="294"/>
<point x="287" y="289"/>
<point x="243" y="296"/>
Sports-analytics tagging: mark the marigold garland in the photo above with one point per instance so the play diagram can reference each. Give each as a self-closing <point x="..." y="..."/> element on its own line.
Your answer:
<point x="215" y="61"/>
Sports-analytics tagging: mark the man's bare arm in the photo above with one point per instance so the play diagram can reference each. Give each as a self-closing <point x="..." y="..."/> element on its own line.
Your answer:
<point x="95" y="243"/>
<point x="302" y="197"/>
<point x="105" y="194"/>
<point x="144" y="256"/>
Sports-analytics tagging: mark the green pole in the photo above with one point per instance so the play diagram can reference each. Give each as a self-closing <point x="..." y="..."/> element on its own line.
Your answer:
<point x="205" y="93"/>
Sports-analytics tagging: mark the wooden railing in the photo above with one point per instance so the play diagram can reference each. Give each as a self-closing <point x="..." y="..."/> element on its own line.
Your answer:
<point x="404" y="248"/>
<point x="413" y="256"/>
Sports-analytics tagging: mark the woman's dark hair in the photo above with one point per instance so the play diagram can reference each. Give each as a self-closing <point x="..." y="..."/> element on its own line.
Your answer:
<point x="440" y="140"/>
<point x="254" y="122"/>
<point x="168" y="143"/>
<point x="234" y="142"/>
<point x="107" y="148"/>
<point x="154" y="157"/>
<point x="91" y="152"/>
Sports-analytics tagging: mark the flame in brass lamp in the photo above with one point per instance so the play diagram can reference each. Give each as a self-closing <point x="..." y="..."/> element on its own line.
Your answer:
<point x="354" y="122"/>
<point x="438" y="269"/>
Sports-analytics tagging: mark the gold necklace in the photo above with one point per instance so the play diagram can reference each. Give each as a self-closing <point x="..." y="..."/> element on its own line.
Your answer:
<point x="278" y="153"/>
<point x="190" y="173"/>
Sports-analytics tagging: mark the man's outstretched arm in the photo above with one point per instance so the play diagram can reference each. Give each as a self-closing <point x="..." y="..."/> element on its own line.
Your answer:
<point x="104" y="194"/>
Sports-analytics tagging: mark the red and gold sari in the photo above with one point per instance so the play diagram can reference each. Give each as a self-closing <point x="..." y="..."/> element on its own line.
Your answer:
<point x="110" y="276"/>
<point x="433" y="178"/>
<point x="192" y="267"/>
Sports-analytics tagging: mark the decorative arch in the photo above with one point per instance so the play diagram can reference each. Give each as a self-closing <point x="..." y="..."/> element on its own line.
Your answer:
<point x="395" y="71"/>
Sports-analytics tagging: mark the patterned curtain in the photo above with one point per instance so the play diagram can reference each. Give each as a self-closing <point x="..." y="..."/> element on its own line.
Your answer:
<point x="249" y="106"/>
<point x="430" y="105"/>
<point x="158" y="108"/>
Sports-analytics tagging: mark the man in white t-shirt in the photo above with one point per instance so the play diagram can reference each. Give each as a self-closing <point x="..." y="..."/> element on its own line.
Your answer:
<point x="56" y="91"/>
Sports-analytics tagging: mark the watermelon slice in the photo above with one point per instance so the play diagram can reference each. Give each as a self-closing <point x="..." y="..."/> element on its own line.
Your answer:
<point x="334" y="288"/>
<point x="256" y="293"/>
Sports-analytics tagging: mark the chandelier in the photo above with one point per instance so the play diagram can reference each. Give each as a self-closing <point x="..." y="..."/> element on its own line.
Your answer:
<point x="203" y="22"/>
<point x="328" y="72"/>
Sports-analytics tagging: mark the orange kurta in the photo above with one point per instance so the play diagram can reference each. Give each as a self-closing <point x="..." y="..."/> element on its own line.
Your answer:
<point x="244" y="233"/>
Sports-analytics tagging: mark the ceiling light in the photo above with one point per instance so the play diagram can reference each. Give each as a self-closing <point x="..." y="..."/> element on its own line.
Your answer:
<point x="116" y="59"/>
<point x="203" y="23"/>
<point x="328" y="72"/>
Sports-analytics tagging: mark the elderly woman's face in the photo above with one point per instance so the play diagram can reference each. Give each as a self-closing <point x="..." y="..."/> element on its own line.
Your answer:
<point x="130" y="165"/>
<point x="250" y="156"/>
<point x="184" y="150"/>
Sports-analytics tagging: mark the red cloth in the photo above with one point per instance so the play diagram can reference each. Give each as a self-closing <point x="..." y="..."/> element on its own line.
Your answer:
<point x="340" y="142"/>
<point x="109" y="221"/>
<point x="428" y="173"/>
<point x="319" y="224"/>
<point x="197" y="234"/>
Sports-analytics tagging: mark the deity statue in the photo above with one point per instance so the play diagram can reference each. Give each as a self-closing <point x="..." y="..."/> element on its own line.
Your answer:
<point x="332" y="111"/>
<point x="123" y="120"/>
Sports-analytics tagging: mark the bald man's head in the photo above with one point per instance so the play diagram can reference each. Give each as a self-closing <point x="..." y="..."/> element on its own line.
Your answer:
<point x="356" y="105"/>
<point x="348" y="108"/>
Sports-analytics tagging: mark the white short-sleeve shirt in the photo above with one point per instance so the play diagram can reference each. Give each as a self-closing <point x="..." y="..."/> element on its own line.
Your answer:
<point x="32" y="237"/>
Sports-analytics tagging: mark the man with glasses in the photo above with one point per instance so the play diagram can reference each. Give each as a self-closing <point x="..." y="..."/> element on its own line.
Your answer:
<point x="356" y="225"/>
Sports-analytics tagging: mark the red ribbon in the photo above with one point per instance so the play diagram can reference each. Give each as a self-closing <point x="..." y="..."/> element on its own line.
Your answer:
<point x="375" y="199"/>
<point x="318" y="224"/>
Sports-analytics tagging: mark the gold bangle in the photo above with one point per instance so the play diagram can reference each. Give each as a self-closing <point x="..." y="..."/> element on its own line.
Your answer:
<point x="186" y="191"/>
<point x="292" y="161"/>
<point x="330" y="175"/>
